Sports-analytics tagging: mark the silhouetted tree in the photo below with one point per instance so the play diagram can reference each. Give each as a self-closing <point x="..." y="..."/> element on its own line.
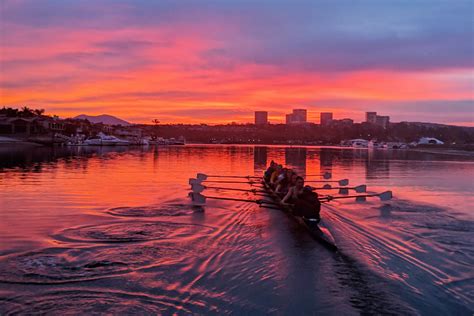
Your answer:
<point x="39" y="112"/>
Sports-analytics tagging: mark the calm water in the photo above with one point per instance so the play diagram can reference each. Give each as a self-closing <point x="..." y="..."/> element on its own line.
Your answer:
<point x="110" y="230"/>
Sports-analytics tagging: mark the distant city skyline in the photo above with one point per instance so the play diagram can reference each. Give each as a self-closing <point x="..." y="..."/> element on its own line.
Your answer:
<point x="219" y="62"/>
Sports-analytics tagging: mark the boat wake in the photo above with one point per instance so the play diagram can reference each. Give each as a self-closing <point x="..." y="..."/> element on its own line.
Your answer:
<point x="419" y="248"/>
<point x="155" y="211"/>
<point x="92" y="302"/>
<point x="132" y="231"/>
<point x="66" y="265"/>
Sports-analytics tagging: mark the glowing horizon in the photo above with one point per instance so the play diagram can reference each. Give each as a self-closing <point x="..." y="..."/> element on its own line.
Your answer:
<point x="212" y="62"/>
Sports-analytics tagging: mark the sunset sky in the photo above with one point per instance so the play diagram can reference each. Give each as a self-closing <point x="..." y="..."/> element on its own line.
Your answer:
<point x="219" y="61"/>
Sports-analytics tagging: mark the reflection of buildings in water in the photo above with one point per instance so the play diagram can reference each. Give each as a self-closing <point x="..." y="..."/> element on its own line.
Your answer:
<point x="325" y="160"/>
<point x="238" y="154"/>
<point x="295" y="158"/>
<point x="259" y="159"/>
<point x="377" y="167"/>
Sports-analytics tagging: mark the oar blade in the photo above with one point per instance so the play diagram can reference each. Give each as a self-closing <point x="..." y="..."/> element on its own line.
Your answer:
<point x="385" y="196"/>
<point x="198" y="188"/>
<point x="343" y="191"/>
<point x="343" y="182"/>
<point x="327" y="186"/>
<point x="197" y="198"/>
<point x="327" y="175"/>
<point x="201" y="176"/>
<point x="194" y="181"/>
<point x="361" y="199"/>
<point x="361" y="188"/>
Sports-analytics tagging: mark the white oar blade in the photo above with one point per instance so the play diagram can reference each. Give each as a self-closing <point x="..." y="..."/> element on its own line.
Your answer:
<point x="385" y="196"/>
<point x="327" y="175"/>
<point x="343" y="182"/>
<point x="361" y="188"/>
<point x="327" y="187"/>
<point x="197" y="198"/>
<point x="198" y="188"/>
<point x="201" y="176"/>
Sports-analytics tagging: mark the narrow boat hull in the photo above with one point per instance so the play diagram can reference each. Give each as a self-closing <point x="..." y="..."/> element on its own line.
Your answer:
<point x="317" y="231"/>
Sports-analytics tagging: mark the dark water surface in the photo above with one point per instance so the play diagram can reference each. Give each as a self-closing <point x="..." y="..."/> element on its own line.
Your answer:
<point x="111" y="230"/>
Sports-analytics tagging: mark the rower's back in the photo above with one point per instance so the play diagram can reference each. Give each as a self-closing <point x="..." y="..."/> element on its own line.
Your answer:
<point x="308" y="204"/>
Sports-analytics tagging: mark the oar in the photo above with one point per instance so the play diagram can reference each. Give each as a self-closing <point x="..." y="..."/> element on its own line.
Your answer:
<point x="384" y="196"/>
<point x="199" y="199"/>
<point x="196" y="187"/>
<point x="194" y="181"/>
<point x="342" y="182"/>
<point x="325" y="175"/>
<point x="199" y="181"/>
<point x="344" y="190"/>
<point x="204" y="176"/>
<point x="225" y="181"/>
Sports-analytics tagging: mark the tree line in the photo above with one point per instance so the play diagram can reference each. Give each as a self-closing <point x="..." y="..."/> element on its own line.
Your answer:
<point x="23" y="112"/>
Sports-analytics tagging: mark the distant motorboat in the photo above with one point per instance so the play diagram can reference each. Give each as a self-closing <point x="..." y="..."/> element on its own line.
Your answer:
<point x="359" y="143"/>
<point x="179" y="141"/>
<point x="169" y="141"/>
<point x="376" y="145"/>
<point x="106" y="140"/>
<point x="397" y="145"/>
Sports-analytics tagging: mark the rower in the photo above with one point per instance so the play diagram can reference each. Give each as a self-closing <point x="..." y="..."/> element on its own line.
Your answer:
<point x="294" y="192"/>
<point x="306" y="201"/>
<point x="281" y="176"/>
<point x="268" y="173"/>
<point x="275" y="175"/>
<point x="308" y="205"/>
<point x="284" y="185"/>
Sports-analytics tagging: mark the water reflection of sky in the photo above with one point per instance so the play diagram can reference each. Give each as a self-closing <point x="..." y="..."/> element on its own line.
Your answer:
<point x="57" y="196"/>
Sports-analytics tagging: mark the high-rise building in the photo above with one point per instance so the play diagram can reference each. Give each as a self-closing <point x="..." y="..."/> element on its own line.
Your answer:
<point x="261" y="117"/>
<point x="289" y="118"/>
<point x="371" y="117"/>
<point x="299" y="116"/>
<point x="382" y="121"/>
<point x="325" y="118"/>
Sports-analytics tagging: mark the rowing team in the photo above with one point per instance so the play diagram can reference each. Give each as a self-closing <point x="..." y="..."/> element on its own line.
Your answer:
<point x="291" y="189"/>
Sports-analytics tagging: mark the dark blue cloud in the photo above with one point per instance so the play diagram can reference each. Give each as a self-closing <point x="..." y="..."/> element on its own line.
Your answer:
<point x="313" y="35"/>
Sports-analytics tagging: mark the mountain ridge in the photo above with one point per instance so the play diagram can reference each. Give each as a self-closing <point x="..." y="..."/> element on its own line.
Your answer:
<point x="104" y="119"/>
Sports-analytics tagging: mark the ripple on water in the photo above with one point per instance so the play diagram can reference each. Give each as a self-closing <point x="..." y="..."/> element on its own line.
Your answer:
<point x="133" y="232"/>
<point x="58" y="265"/>
<point x="64" y="265"/>
<point x="154" y="211"/>
<point x="88" y="302"/>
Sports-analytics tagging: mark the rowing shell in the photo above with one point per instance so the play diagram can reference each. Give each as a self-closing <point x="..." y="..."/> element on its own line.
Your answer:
<point x="318" y="232"/>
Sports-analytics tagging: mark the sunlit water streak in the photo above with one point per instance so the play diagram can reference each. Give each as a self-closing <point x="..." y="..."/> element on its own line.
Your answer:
<point x="96" y="230"/>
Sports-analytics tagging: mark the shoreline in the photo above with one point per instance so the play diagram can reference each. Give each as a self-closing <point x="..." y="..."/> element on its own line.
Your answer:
<point x="12" y="142"/>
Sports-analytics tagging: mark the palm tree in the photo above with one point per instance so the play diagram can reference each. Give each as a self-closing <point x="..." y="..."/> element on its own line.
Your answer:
<point x="26" y="112"/>
<point x="39" y="112"/>
<point x="156" y="122"/>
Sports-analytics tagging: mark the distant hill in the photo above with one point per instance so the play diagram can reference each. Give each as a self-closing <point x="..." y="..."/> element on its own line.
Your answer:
<point x="104" y="119"/>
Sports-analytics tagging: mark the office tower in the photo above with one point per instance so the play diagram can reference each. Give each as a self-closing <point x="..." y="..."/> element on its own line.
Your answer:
<point x="299" y="116"/>
<point x="326" y="118"/>
<point x="371" y="117"/>
<point x="261" y="117"/>
<point x="382" y="121"/>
